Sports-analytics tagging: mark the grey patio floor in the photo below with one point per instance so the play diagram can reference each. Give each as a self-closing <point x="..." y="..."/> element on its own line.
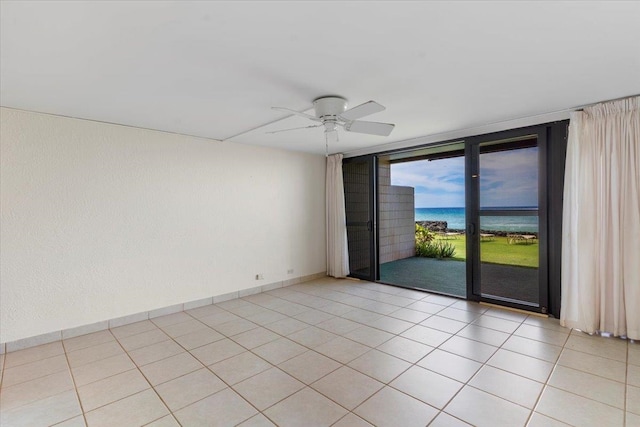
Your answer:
<point x="449" y="277"/>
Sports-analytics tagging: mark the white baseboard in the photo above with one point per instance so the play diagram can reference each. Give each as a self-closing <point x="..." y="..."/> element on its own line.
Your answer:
<point x="145" y="315"/>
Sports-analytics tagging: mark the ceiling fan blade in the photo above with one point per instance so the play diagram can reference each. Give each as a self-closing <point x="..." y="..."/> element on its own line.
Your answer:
<point x="297" y="113"/>
<point x="287" y="130"/>
<point x="362" y="110"/>
<point x="371" y="128"/>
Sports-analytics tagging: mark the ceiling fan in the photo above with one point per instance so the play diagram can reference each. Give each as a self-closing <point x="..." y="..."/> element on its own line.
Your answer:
<point x="331" y="112"/>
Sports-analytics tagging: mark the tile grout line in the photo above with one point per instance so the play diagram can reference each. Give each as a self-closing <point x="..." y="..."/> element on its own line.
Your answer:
<point x="522" y="322"/>
<point x="180" y="376"/>
<point x="306" y="385"/>
<point x="393" y="335"/>
<point x="466" y="384"/>
<point x="413" y="364"/>
<point x="151" y="386"/>
<point x="229" y="386"/>
<point x="145" y="378"/>
<point x="2" y="369"/>
<point x="208" y="367"/>
<point x="75" y="386"/>
<point x="547" y="385"/>
<point x="484" y="364"/>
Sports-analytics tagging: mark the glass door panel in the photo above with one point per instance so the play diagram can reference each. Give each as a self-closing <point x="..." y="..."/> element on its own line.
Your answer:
<point x="509" y="258"/>
<point x="421" y="219"/>
<point x="509" y="177"/>
<point x="506" y="214"/>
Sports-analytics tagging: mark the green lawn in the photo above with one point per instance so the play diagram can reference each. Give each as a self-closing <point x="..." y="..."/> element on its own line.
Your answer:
<point x="498" y="251"/>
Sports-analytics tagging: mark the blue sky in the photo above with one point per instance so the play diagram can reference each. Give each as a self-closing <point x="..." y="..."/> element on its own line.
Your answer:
<point x="438" y="184"/>
<point x="507" y="178"/>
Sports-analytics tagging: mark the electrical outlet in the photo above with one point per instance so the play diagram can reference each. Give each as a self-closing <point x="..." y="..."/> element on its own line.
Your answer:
<point x="290" y="271"/>
<point x="259" y="277"/>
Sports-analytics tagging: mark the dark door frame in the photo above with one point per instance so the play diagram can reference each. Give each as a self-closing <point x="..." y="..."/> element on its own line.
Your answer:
<point x="554" y="163"/>
<point x="474" y="211"/>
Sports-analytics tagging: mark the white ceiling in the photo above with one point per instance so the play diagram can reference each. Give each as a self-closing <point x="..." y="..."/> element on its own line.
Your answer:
<point x="214" y="69"/>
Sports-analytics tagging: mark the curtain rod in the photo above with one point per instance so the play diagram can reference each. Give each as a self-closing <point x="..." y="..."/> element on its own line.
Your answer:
<point x="582" y="107"/>
<point x="578" y="108"/>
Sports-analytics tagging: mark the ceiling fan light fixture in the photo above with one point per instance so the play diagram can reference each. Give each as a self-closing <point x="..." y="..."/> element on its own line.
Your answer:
<point x="330" y="126"/>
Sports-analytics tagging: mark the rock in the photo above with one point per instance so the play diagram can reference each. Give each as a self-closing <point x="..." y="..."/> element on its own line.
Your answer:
<point x="441" y="227"/>
<point x="438" y="226"/>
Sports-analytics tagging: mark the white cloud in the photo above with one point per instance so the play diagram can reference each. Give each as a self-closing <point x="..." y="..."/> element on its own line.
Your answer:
<point x="445" y="175"/>
<point x="507" y="179"/>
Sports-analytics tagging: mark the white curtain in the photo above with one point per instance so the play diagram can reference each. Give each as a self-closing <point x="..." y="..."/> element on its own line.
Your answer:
<point x="337" y="250"/>
<point x="601" y="220"/>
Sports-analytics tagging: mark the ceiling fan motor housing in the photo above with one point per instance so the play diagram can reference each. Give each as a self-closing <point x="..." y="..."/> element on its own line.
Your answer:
<point x="329" y="107"/>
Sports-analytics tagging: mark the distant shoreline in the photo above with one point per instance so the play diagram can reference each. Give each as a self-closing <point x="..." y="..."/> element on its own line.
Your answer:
<point x="442" y="227"/>
<point x="493" y="208"/>
<point x="498" y="233"/>
<point x="492" y="224"/>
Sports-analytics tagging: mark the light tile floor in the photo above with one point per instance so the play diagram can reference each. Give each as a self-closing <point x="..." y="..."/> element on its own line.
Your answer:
<point x="328" y="352"/>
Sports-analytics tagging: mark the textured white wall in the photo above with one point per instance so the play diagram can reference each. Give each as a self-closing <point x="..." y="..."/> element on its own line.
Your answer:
<point x="100" y="221"/>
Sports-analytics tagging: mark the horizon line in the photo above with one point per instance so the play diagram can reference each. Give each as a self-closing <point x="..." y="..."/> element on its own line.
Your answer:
<point x="485" y="207"/>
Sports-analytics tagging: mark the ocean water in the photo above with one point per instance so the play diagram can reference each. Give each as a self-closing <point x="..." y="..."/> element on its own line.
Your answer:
<point x="456" y="220"/>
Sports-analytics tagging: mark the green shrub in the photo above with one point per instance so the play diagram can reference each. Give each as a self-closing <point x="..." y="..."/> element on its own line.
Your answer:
<point x="426" y="250"/>
<point x="435" y="249"/>
<point x="424" y="235"/>
<point x="427" y="246"/>
<point x="446" y="249"/>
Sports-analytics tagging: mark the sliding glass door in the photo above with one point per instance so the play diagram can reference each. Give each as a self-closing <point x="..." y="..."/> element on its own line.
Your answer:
<point x="506" y="220"/>
<point x="492" y="206"/>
